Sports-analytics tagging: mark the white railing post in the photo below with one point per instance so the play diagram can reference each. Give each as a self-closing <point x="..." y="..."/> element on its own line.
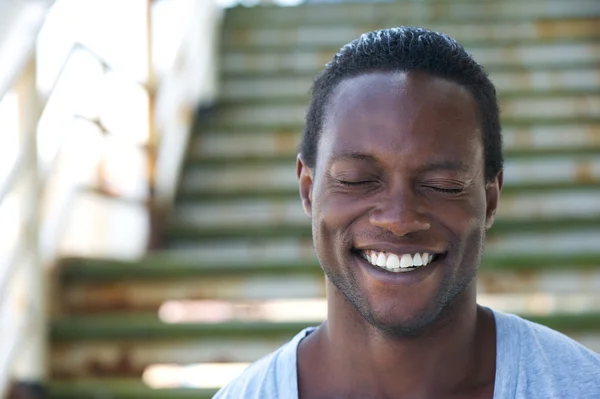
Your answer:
<point x="30" y="365"/>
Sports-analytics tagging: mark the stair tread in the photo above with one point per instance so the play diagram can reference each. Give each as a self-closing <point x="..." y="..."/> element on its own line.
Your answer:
<point x="159" y="267"/>
<point x="145" y="325"/>
<point x="119" y="388"/>
<point x="466" y="31"/>
<point x="386" y="13"/>
<point x="149" y="326"/>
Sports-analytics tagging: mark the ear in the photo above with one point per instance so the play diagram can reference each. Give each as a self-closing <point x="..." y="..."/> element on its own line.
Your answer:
<point x="305" y="180"/>
<point x="492" y="194"/>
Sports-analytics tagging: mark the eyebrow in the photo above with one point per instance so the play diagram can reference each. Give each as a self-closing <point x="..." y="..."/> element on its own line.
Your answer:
<point x="445" y="165"/>
<point x="430" y="167"/>
<point x="353" y="156"/>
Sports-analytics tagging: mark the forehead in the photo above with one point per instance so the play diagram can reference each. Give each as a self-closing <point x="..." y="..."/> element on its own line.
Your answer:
<point x="411" y="113"/>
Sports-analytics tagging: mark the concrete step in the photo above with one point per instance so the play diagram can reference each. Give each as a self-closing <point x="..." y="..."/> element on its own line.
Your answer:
<point x="102" y="285"/>
<point x="389" y="14"/>
<point x="143" y="325"/>
<point x="508" y="83"/>
<point x="132" y="342"/>
<point x="278" y="112"/>
<point x="333" y="33"/>
<point x="124" y="345"/>
<point x="543" y="55"/>
<point x="519" y="173"/>
<point x="225" y="147"/>
<point x="120" y="388"/>
<point x="227" y="293"/>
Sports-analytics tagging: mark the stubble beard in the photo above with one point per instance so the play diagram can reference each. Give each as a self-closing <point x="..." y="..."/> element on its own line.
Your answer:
<point x="422" y="323"/>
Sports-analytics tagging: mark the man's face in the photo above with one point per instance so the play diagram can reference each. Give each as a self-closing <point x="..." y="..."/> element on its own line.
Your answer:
<point x="400" y="171"/>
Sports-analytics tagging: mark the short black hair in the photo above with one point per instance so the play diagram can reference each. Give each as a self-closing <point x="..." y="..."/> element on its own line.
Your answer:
<point x="405" y="49"/>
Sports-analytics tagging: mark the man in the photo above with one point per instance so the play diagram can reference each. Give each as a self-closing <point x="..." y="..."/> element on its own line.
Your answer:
<point x="400" y="171"/>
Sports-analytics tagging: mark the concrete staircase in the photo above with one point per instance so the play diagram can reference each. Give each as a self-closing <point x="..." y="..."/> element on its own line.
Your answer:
<point x="238" y="234"/>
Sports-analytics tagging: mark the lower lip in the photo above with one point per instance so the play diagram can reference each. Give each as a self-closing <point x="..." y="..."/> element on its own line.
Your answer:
<point x="401" y="278"/>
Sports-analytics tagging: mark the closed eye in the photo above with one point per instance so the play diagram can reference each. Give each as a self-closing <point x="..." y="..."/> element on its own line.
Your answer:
<point x="354" y="183"/>
<point x="447" y="190"/>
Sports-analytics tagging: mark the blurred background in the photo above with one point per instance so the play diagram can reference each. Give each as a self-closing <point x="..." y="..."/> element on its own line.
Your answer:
<point x="152" y="240"/>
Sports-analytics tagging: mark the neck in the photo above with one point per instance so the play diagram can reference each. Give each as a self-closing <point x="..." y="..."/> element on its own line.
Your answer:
<point x="439" y="360"/>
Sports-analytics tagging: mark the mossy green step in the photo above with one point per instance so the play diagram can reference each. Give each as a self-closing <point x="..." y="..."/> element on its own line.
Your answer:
<point x="106" y="388"/>
<point x="387" y="14"/>
<point x="182" y="231"/>
<point x="147" y="326"/>
<point x="160" y="267"/>
<point x="465" y="32"/>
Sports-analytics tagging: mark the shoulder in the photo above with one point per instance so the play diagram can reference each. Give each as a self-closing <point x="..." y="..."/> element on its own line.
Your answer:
<point x="537" y="338"/>
<point x="265" y="378"/>
<point x="549" y="361"/>
<point x="256" y="381"/>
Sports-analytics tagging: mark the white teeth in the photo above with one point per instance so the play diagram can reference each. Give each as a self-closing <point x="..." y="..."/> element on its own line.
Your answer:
<point x="392" y="262"/>
<point x="425" y="258"/>
<point x="396" y="263"/>
<point x="381" y="260"/>
<point x="406" y="261"/>
<point x="417" y="261"/>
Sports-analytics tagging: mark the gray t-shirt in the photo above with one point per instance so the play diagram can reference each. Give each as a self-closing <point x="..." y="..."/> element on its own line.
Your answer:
<point x="532" y="362"/>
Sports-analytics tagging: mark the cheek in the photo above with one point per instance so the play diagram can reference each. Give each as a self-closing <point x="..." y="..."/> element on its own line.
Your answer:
<point x="463" y="217"/>
<point x="333" y="214"/>
<point x="465" y="221"/>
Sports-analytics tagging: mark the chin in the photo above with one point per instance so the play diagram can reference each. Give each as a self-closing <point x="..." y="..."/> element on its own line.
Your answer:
<point x="403" y="321"/>
<point x="394" y="316"/>
<point x="399" y="316"/>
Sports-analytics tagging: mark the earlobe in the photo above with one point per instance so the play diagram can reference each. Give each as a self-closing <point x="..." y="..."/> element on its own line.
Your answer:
<point x="305" y="180"/>
<point x="492" y="193"/>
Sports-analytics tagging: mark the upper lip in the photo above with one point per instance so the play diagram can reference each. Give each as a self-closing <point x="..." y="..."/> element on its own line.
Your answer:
<point x="398" y="249"/>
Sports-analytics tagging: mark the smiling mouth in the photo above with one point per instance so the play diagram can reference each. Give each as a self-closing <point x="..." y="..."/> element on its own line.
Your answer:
<point x="397" y="263"/>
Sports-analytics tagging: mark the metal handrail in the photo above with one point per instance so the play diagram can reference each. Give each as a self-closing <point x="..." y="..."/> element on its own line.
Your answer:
<point x="175" y="137"/>
<point x="26" y="35"/>
<point x="15" y="171"/>
<point x="106" y="67"/>
<point x="13" y="178"/>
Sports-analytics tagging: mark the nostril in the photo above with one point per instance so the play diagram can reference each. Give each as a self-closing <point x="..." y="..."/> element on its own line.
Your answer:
<point x="401" y="228"/>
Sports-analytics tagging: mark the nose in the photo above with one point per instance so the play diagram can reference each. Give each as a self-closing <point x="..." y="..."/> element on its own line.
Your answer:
<point x="399" y="212"/>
